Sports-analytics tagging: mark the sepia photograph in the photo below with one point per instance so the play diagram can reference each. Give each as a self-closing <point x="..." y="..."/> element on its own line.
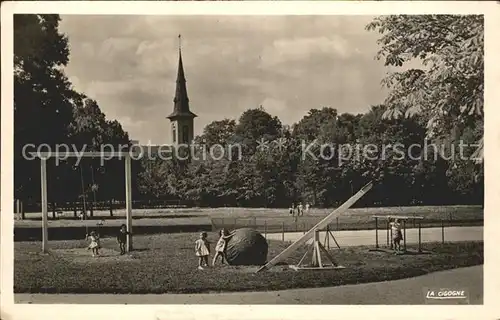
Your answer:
<point x="316" y="159"/>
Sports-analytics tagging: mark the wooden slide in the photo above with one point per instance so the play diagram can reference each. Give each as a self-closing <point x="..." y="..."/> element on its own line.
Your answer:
<point x="320" y="225"/>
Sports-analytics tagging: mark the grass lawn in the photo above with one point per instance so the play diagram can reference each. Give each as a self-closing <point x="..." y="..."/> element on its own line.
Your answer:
<point x="167" y="264"/>
<point x="265" y="220"/>
<point x="358" y="218"/>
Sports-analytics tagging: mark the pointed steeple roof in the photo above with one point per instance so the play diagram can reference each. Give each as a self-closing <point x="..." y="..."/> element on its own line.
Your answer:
<point x="181" y="100"/>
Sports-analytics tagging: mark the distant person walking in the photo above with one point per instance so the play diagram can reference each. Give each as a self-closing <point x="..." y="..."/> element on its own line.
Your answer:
<point x="307" y="207"/>
<point x="300" y="209"/>
<point x="397" y="235"/>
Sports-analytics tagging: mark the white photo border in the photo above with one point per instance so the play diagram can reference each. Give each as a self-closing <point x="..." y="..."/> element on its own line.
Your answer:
<point x="490" y="310"/>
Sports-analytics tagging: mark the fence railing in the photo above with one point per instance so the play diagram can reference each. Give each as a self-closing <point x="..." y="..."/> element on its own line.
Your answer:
<point x="266" y="225"/>
<point x="77" y="207"/>
<point x="287" y="231"/>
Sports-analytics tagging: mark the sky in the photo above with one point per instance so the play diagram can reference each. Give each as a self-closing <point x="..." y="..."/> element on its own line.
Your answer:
<point x="287" y="64"/>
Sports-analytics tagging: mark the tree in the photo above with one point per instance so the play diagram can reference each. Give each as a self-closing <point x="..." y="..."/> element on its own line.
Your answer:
<point x="88" y="125"/>
<point x="319" y="173"/>
<point x="447" y="91"/>
<point x="254" y="125"/>
<point x="42" y="93"/>
<point x="217" y="133"/>
<point x="48" y="111"/>
<point x="308" y="127"/>
<point x="155" y="178"/>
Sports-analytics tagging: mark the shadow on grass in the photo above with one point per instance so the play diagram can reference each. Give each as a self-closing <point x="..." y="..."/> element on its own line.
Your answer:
<point x="121" y="217"/>
<point x="75" y="233"/>
<point x="408" y="252"/>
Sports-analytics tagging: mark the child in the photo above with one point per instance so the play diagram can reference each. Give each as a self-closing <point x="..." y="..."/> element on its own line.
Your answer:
<point x="397" y="236"/>
<point x="202" y="249"/>
<point x="94" y="243"/>
<point x="221" y="246"/>
<point x="122" y="238"/>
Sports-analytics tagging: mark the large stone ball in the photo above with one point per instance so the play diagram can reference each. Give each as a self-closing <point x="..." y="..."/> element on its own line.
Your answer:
<point x="247" y="247"/>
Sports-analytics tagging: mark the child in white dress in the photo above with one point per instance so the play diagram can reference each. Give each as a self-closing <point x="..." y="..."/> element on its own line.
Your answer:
<point x="220" y="247"/>
<point x="202" y="249"/>
<point x="95" y="244"/>
<point x="397" y="235"/>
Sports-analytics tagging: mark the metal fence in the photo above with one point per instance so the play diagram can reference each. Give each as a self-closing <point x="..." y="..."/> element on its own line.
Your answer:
<point x="283" y="225"/>
<point x="76" y="207"/>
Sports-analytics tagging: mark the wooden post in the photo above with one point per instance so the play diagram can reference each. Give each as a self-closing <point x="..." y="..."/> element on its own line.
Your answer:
<point x="128" y="199"/>
<point x="442" y="231"/>
<point x="74" y="210"/>
<point x="282" y="231"/>
<point x="327" y="237"/>
<point x="45" y="234"/>
<point x="19" y="209"/>
<point x="265" y="229"/>
<point x="53" y="210"/>
<point x="387" y="231"/>
<point x="337" y="221"/>
<point x="404" y="234"/>
<point x="111" y="207"/>
<point x="376" y="232"/>
<point x="91" y="209"/>
<point x="419" y="237"/>
<point x="317" y="256"/>
<point x="22" y="211"/>
<point x="451" y="219"/>
<point x="391" y="239"/>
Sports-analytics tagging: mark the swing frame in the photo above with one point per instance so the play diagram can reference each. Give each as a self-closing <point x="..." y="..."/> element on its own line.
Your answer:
<point x="126" y="155"/>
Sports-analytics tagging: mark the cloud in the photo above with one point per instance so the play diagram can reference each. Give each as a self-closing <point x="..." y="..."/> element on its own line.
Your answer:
<point x="289" y="64"/>
<point x="300" y="49"/>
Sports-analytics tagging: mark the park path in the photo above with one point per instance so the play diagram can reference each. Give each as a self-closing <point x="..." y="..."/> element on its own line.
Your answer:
<point x="404" y="291"/>
<point x="367" y="237"/>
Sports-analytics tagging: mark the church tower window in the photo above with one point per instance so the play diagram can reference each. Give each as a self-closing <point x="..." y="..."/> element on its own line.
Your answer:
<point x="185" y="134"/>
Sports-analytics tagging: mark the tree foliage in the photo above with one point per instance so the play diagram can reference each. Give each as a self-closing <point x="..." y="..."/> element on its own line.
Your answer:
<point x="447" y="91"/>
<point x="47" y="110"/>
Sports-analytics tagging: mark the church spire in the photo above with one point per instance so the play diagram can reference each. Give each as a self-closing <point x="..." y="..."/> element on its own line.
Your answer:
<point x="181" y="100"/>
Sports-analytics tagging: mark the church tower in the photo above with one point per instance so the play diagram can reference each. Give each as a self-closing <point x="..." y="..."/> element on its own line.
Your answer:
<point x="181" y="119"/>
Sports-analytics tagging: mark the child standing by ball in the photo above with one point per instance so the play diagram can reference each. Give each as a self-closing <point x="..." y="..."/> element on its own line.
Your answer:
<point x="94" y="243"/>
<point x="220" y="247"/>
<point x="202" y="249"/>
